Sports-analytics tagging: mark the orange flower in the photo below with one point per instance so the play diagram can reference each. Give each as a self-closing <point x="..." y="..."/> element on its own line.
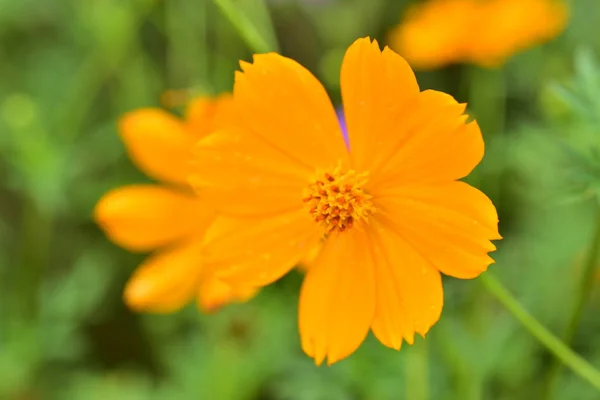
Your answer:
<point x="169" y="216"/>
<point x="390" y="211"/>
<point x="482" y="32"/>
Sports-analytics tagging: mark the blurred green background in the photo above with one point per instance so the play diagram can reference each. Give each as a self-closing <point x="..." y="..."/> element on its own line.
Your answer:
<point x="70" y="68"/>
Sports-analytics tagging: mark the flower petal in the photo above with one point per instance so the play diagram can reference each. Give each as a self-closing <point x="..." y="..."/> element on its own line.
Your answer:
<point x="283" y="103"/>
<point x="436" y="33"/>
<point x="508" y="26"/>
<point x="215" y="293"/>
<point x="451" y="224"/>
<point x="158" y="144"/>
<point x="409" y="289"/>
<point x="256" y="252"/>
<point x="376" y="87"/>
<point x="204" y="115"/>
<point x="337" y="301"/>
<point x="144" y="217"/>
<point x="233" y="163"/>
<point x="432" y="144"/>
<point x="309" y="259"/>
<point x="166" y="281"/>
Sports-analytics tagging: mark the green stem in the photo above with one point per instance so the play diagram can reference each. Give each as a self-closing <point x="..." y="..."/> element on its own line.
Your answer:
<point x="577" y="364"/>
<point x="582" y="296"/>
<point x="256" y="40"/>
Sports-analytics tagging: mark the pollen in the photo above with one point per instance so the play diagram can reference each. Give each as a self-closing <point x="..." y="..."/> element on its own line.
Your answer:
<point x="338" y="200"/>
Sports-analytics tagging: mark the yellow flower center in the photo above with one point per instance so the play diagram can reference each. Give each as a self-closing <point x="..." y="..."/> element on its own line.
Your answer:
<point x="338" y="201"/>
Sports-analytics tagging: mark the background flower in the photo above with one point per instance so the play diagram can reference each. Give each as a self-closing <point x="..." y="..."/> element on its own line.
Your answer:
<point x="167" y="217"/>
<point x="486" y="33"/>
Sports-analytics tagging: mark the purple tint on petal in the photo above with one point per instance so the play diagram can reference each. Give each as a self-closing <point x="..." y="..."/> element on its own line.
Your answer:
<point x="342" y="121"/>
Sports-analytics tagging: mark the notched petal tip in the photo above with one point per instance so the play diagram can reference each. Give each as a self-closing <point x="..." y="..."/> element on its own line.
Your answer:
<point x="258" y="59"/>
<point x="309" y="346"/>
<point x="365" y="42"/>
<point x="388" y="52"/>
<point x="244" y="65"/>
<point x="396" y="344"/>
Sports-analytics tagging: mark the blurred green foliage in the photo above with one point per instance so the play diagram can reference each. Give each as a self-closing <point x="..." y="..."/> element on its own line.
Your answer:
<point x="70" y="68"/>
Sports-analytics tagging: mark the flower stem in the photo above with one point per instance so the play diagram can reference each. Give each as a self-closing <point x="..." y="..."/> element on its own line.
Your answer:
<point x="563" y="353"/>
<point x="237" y="14"/>
<point x="582" y="296"/>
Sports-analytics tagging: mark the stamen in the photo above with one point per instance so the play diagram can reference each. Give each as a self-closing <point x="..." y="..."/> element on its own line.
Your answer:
<point x="339" y="202"/>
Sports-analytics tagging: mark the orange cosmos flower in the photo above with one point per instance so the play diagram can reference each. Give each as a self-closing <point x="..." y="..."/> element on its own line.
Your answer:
<point x="389" y="209"/>
<point x="167" y="217"/>
<point x="482" y="32"/>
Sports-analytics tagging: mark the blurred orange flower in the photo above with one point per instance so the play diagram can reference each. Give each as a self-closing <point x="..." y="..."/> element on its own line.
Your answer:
<point x="389" y="209"/>
<point x="482" y="32"/>
<point x="168" y="216"/>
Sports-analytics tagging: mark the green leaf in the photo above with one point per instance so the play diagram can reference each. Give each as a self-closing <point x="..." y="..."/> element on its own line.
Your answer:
<point x="252" y="20"/>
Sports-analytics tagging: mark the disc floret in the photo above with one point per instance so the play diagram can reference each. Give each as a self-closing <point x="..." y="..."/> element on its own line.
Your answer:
<point x="337" y="200"/>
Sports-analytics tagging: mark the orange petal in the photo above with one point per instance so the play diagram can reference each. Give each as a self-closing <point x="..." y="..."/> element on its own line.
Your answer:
<point x="450" y="224"/>
<point x="283" y="103"/>
<point x="409" y="289"/>
<point x="166" y="281"/>
<point x="508" y="26"/>
<point x="376" y="87"/>
<point x="432" y="143"/>
<point x="144" y="217"/>
<point x="256" y="252"/>
<point x="215" y="293"/>
<point x="337" y="300"/>
<point x="241" y="175"/>
<point x="204" y="115"/>
<point x="435" y="33"/>
<point x="310" y="258"/>
<point x="225" y="113"/>
<point x="199" y="114"/>
<point x="158" y="144"/>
